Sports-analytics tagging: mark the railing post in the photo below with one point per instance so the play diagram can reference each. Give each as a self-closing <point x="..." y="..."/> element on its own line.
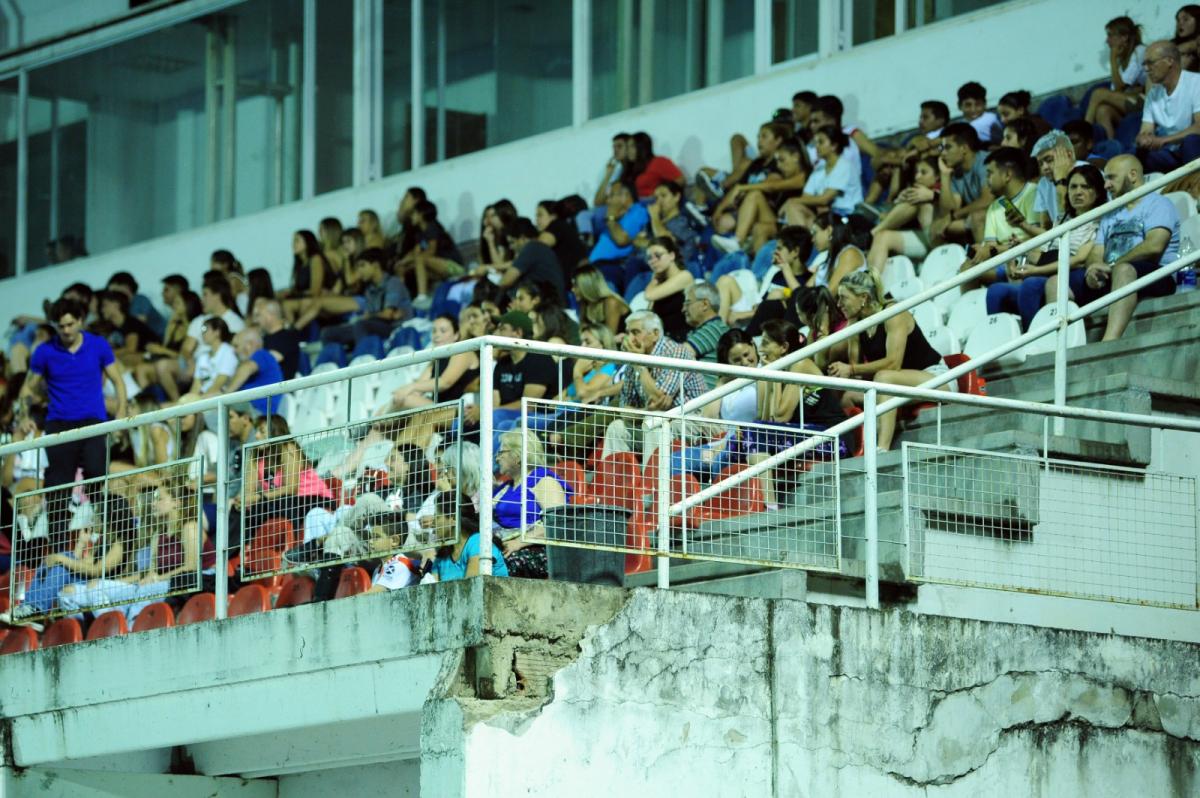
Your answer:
<point x="487" y="459"/>
<point x="870" y="497"/>
<point x="1060" y="348"/>
<point x="663" y="490"/>
<point x="222" y="502"/>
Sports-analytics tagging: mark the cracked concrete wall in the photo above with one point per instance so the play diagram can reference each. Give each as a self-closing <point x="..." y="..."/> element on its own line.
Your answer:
<point x="689" y="694"/>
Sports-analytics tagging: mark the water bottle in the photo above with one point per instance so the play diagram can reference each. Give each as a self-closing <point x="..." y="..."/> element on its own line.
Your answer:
<point x="1185" y="278"/>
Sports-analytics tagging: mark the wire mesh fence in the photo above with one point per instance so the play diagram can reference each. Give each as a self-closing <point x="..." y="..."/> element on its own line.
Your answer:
<point x="1040" y="525"/>
<point x="123" y="540"/>
<point x="599" y="475"/>
<point x="352" y="492"/>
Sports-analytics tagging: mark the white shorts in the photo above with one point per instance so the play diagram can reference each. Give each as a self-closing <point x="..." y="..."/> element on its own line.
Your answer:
<point x="940" y="368"/>
<point x="913" y="245"/>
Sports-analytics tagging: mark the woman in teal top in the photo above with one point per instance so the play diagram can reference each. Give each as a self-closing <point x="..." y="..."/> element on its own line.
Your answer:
<point x="461" y="560"/>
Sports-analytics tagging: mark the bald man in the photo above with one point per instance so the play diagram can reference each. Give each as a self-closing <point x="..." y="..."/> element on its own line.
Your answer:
<point x="256" y="367"/>
<point x="1132" y="241"/>
<point x="1170" y="134"/>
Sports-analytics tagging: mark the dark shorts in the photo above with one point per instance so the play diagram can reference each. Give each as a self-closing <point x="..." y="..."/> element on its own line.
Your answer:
<point x="763" y="440"/>
<point x="1084" y="294"/>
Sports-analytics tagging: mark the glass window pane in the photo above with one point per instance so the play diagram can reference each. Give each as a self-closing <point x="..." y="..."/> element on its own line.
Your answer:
<point x="614" y="56"/>
<point x="922" y="12"/>
<point x="334" y="128"/>
<point x="794" y="29"/>
<point x="737" y="40"/>
<point x="873" y="19"/>
<point x="8" y="177"/>
<point x="397" y="86"/>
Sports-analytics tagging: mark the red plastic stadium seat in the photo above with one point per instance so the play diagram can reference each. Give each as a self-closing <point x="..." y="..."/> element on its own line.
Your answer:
<point x="971" y="382"/>
<point x="62" y="632"/>
<point x="4" y="601"/>
<point x="638" y="536"/>
<point x="200" y="607"/>
<point x="742" y="499"/>
<point x="298" y="590"/>
<point x="158" y="615"/>
<point x="110" y="624"/>
<point x="22" y="638"/>
<point x="271" y="538"/>
<point x="250" y="599"/>
<point x="571" y="472"/>
<point x="618" y="481"/>
<point x="354" y="580"/>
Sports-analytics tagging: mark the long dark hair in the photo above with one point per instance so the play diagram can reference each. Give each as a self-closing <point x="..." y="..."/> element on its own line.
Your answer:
<point x="643" y="153"/>
<point x="732" y="337"/>
<point x="812" y="303"/>
<point x="312" y="249"/>
<point x="782" y="331"/>
<point x="852" y="230"/>
<point x="1095" y="181"/>
<point x="260" y="285"/>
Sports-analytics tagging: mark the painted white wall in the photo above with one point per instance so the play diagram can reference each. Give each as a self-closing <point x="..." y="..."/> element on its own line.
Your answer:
<point x="881" y="83"/>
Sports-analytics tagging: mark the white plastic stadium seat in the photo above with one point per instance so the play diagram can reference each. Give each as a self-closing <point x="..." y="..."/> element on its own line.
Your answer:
<point x="639" y="302"/>
<point x="1076" y="334"/>
<point x="968" y="313"/>
<point x="905" y="289"/>
<point x="1184" y="203"/>
<point x="943" y="340"/>
<point x="928" y="317"/>
<point x="996" y="330"/>
<point x="939" y="266"/>
<point x="896" y="270"/>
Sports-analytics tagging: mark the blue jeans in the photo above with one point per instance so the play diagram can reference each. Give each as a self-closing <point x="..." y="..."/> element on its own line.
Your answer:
<point x="1164" y="160"/>
<point x="690" y="460"/>
<point x="47" y="582"/>
<point x="1025" y="297"/>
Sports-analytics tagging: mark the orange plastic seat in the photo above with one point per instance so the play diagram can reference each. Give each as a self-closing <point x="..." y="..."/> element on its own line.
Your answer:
<point x="618" y="481"/>
<point x="62" y="632"/>
<point x="638" y="533"/>
<point x="200" y="607"/>
<point x="297" y="591"/>
<point x="21" y="638"/>
<point x="354" y="580"/>
<point x="571" y="473"/>
<point x="971" y="382"/>
<point x="248" y="600"/>
<point x="158" y="615"/>
<point x="742" y="499"/>
<point x="110" y="624"/>
<point x="261" y="554"/>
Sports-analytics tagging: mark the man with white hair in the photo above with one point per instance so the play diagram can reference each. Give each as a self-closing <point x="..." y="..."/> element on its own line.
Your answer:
<point x="281" y="341"/>
<point x="1055" y="156"/>
<point x="256" y="367"/>
<point x="700" y="303"/>
<point x="1170" y="134"/>
<point x="656" y="387"/>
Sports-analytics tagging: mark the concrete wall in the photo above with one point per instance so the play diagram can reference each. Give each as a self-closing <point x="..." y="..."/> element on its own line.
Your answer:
<point x="882" y="84"/>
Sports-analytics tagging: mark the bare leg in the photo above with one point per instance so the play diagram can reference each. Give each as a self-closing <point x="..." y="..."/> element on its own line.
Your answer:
<point x="767" y="480"/>
<point x="18" y="359"/>
<point x="761" y="233"/>
<point x="168" y="373"/>
<point x="885" y="243"/>
<point x="325" y="305"/>
<point x="1107" y="117"/>
<point x="724" y="224"/>
<point x="1121" y="311"/>
<point x="754" y="209"/>
<point x="730" y="293"/>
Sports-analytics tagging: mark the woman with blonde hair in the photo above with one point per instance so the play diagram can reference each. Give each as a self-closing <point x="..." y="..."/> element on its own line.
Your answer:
<point x="372" y="230"/>
<point x="598" y="303"/>
<point x="522" y="498"/>
<point x="894" y="351"/>
<point x="329" y="231"/>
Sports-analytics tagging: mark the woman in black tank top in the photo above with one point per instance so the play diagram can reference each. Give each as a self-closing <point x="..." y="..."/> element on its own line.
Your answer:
<point x="894" y="351"/>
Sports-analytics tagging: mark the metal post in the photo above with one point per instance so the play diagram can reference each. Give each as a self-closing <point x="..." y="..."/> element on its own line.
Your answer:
<point x="441" y="82"/>
<point x="664" y="502"/>
<point x="1060" y="349"/>
<point x="487" y="459"/>
<point x="360" y="116"/>
<point x="762" y="36"/>
<point x="22" y="237"/>
<point x="581" y="61"/>
<point x="212" y="123"/>
<point x="645" y="70"/>
<point x="308" y="103"/>
<point x="715" y="40"/>
<point x="417" y="88"/>
<point x="871" y="497"/>
<point x="229" y="119"/>
<point x="222" y="501"/>
<point x="54" y="168"/>
<point x="901" y="16"/>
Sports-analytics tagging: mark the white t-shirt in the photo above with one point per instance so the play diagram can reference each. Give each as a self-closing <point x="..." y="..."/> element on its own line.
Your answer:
<point x="210" y="365"/>
<point x="30" y="464"/>
<point x="1134" y="73"/>
<point x="843" y="178"/>
<point x="208" y="449"/>
<point x="1173" y="112"/>
<point x="988" y="126"/>
<point x="232" y="320"/>
<point x="394" y="574"/>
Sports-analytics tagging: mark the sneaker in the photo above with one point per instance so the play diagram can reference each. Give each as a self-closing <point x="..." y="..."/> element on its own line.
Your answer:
<point x="727" y="243"/>
<point x="21" y="615"/>
<point x="422" y="302"/>
<point x="710" y="186"/>
<point x="696" y="214"/>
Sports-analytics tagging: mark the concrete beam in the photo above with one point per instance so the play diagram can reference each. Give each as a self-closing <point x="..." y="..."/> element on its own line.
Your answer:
<point x="97" y="784"/>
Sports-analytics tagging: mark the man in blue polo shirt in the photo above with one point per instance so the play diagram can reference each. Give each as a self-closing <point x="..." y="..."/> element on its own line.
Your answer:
<point x="256" y="367"/>
<point x="72" y="367"/>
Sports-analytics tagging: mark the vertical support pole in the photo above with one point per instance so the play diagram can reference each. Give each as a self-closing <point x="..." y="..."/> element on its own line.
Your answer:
<point x="441" y="82"/>
<point x="623" y="68"/>
<point x="762" y="36"/>
<point x="54" y="168"/>
<point x="581" y="61"/>
<point x="222" y="502"/>
<point x="308" y="103"/>
<point x="901" y="16"/>
<point x="663" y="490"/>
<point x="22" y="237"/>
<point x="212" y="109"/>
<point x="828" y="12"/>
<point x="716" y="42"/>
<point x="487" y="459"/>
<point x="375" y="170"/>
<point x="694" y="39"/>
<point x="645" y="70"/>
<point x="1060" y="348"/>
<point x="871" y="496"/>
<point x="229" y="84"/>
<point x="417" y="90"/>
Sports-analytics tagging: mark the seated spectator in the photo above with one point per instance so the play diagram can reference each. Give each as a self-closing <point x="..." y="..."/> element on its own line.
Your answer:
<point x="745" y="172"/>
<point x="139" y="304"/>
<point x="149" y="444"/>
<point x="1013" y="207"/>
<point x="1015" y="105"/>
<point x="216" y="361"/>
<point x="282" y="482"/>
<point x="329" y="233"/>
<point x="460" y="560"/>
<point x="667" y="221"/>
<point x="666" y="288"/>
<point x="457" y="471"/>
<point x="843" y="239"/>
<point x="1019" y="133"/>
<point x="1083" y="140"/>
<point x="614" y="168"/>
<point x="520" y="500"/>
<point x="762" y="202"/>
<point x="793" y="249"/>
<point x="311" y="274"/>
<point x="532" y="297"/>
<point x="552" y="325"/>
<point x="1054" y="155"/>
<point x="700" y="303"/>
<point x="1170" y="134"/>
<point x="1187" y="36"/>
<point x="443" y="380"/>
<point x="1026" y="284"/>
<point x="256" y="367"/>
<point x="597" y="302"/>
<point x="835" y="183"/>
<point x="907" y="227"/>
<point x="371" y="230"/>
<point x="1126" y="59"/>
<point x="402" y="244"/>
<point x="894" y="352"/>
<point x="26" y="471"/>
<point x="647" y="170"/>
<point x="972" y="103"/>
<point x="964" y="197"/>
<point x="625" y="219"/>
<point x="557" y="230"/>
<point x="436" y="256"/>
<point x="185" y="308"/>
<point x="383" y="304"/>
<point x="496" y="219"/>
<point x="260" y="288"/>
<point x="281" y="341"/>
<point x="130" y="335"/>
<point x="827" y="111"/>
<point x="533" y="261"/>
<point x="517" y="374"/>
<point x="593" y="382"/>
<point x="1131" y="242"/>
<point x="217" y="302"/>
<point x="224" y="263"/>
<point x="787" y="405"/>
<point x="888" y="163"/>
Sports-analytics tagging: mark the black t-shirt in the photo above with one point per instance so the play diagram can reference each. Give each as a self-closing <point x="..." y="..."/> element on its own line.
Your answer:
<point x="511" y="378"/>
<point x="538" y="262"/>
<point x="134" y="326"/>
<point x="287" y="343"/>
<point x="568" y="247"/>
<point x="446" y="247"/>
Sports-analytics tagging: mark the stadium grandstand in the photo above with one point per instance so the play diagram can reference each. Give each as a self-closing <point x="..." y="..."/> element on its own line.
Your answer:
<point x="713" y="397"/>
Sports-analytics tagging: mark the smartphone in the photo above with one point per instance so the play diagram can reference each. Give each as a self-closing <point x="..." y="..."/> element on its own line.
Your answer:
<point x="1007" y="205"/>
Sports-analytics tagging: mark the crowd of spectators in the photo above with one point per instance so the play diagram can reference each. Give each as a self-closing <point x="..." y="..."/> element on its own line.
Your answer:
<point x="743" y="264"/>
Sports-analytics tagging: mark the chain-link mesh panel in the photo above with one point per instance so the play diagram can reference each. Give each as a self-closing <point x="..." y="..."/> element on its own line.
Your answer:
<point x="352" y="492"/>
<point x="1039" y="525"/>
<point x="126" y="539"/>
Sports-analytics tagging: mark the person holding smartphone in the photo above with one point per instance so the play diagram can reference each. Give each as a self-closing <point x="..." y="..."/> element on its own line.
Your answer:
<point x="1013" y="206"/>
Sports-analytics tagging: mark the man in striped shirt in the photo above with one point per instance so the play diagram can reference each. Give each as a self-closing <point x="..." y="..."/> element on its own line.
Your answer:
<point x="700" y="303"/>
